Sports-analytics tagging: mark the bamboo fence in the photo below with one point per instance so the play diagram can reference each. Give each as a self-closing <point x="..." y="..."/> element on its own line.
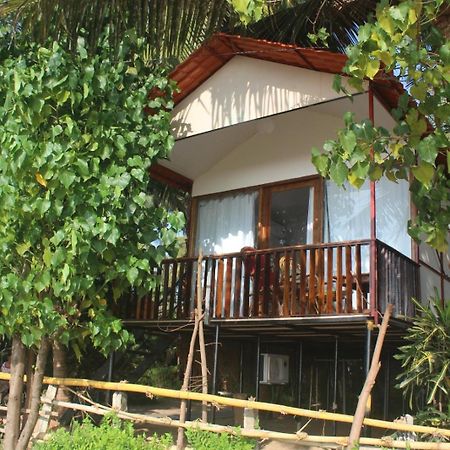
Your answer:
<point x="215" y="400"/>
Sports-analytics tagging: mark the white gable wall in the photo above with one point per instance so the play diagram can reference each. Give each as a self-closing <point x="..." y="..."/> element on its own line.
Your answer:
<point x="280" y="150"/>
<point x="246" y="89"/>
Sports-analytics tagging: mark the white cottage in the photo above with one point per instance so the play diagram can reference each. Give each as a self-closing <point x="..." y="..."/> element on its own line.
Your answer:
<point x="292" y="264"/>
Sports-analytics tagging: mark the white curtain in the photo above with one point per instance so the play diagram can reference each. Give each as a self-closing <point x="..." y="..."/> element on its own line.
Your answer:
<point x="393" y="213"/>
<point x="226" y="224"/>
<point x="347" y="213"/>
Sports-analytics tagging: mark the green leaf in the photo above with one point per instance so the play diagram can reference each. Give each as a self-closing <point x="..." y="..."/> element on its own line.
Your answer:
<point x="47" y="256"/>
<point x="373" y="67"/>
<point x="337" y="83"/>
<point x="348" y="141"/>
<point x="67" y="178"/>
<point x="427" y="150"/>
<point x="132" y="274"/>
<point x="62" y="97"/>
<point x="65" y="273"/>
<point x="444" y="53"/>
<point x="23" y="248"/>
<point x="320" y="162"/>
<point x="339" y="172"/>
<point x="424" y="172"/>
<point x="375" y="173"/>
<point x="355" y="180"/>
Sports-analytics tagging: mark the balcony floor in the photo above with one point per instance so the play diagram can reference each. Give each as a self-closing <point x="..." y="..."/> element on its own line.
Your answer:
<point x="324" y="327"/>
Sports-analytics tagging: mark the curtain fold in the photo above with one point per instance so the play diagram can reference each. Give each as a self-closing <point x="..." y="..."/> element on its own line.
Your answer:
<point x="347" y="213"/>
<point x="226" y="224"/>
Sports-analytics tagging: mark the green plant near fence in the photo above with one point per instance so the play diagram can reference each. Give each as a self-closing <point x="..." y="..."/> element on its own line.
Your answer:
<point x="205" y="440"/>
<point x="111" y="434"/>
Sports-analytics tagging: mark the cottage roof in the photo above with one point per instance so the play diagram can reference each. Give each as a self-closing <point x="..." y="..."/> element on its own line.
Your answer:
<point x="221" y="48"/>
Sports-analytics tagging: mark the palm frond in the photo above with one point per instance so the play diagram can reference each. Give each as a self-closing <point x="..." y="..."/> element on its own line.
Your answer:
<point x="292" y="21"/>
<point x="172" y="29"/>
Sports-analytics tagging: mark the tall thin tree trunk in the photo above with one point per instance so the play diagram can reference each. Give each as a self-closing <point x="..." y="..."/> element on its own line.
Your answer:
<point x="15" y="394"/>
<point x="185" y="386"/>
<point x="190" y="358"/>
<point x="358" y="418"/>
<point x="30" y="359"/>
<point x="59" y="371"/>
<point x="35" y="394"/>
<point x="201" y="338"/>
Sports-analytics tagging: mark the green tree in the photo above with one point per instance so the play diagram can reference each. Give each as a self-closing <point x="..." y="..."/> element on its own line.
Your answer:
<point x="78" y="226"/>
<point x="402" y="39"/>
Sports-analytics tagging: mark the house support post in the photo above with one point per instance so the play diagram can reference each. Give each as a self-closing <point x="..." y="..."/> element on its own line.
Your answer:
<point x="335" y="380"/>
<point x="300" y="370"/>
<point x="367" y="361"/>
<point x="110" y="375"/>
<point x="258" y="363"/>
<point x="241" y="369"/>
<point x="387" y="375"/>
<point x="373" y="227"/>
<point x="214" y="380"/>
<point x="369" y="327"/>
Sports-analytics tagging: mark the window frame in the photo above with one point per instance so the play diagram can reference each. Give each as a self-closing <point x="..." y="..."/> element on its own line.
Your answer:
<point x="265" y="192"/>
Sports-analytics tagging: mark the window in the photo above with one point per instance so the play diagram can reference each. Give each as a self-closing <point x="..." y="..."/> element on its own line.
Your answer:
<point x="291" y="217"/>
<point x="226" y="223"/>
<point x="347" y="213"/>
<point x="277" y="215"/>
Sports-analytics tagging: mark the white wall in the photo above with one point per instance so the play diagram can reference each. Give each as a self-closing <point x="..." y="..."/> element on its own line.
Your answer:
<point x="280" y="150"/>
<point x="246" y="89"/>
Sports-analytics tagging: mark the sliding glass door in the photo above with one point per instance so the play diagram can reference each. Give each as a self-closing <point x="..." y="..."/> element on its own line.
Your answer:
<point x="270" y="216"/>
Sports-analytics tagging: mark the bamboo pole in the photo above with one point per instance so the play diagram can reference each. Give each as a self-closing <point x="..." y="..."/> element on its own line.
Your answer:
<point x="201" y="336"/>
<point x="300" y="437"/>
<point x="152" y="391"/>
<point x="185" y="386"/>
<point x="375" y="365"/>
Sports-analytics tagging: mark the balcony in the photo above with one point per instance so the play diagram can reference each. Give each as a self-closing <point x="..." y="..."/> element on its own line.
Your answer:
<point x="300" y="281"/>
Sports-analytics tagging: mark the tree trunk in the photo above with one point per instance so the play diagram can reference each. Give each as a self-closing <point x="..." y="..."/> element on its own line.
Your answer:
<point x="15" y="394"/>
<point x="35" y="394"/>
<point x="358" y="418"/>
<point x="185" y="386"/>
<point x="59" y="371"/>
<point x="30" y="358"/>
<point x="201" y="338"/>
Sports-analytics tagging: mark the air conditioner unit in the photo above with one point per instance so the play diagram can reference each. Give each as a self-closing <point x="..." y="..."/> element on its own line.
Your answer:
<point x="274" y="369"/>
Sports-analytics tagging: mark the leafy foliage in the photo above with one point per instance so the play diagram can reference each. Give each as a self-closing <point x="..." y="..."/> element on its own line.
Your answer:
<point x="76" y="215"/>
<point x="425" y="358"/>
<point x="112" y="434"/>
<point x="401" y="39"/>
<point x="248" y="10"/>
<point x="205" y="440"/>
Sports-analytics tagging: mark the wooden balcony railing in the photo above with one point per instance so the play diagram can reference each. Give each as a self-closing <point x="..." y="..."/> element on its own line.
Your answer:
<point x="397" y="281"/>
<point x="306" y="280"/>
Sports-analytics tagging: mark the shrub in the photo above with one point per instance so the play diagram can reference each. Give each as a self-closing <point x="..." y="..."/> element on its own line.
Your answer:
<point x="205" y="440"/>
<point x="111" y="434"/>
<point x="425" y="357"/>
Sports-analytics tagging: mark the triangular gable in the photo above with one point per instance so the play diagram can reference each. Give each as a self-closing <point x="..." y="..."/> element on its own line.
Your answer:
<point x="231" y="80"/>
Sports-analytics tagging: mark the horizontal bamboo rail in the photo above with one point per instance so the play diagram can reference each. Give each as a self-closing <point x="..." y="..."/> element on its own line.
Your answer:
<point x="301" y="438"/>
<point x="152" y="391"/>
